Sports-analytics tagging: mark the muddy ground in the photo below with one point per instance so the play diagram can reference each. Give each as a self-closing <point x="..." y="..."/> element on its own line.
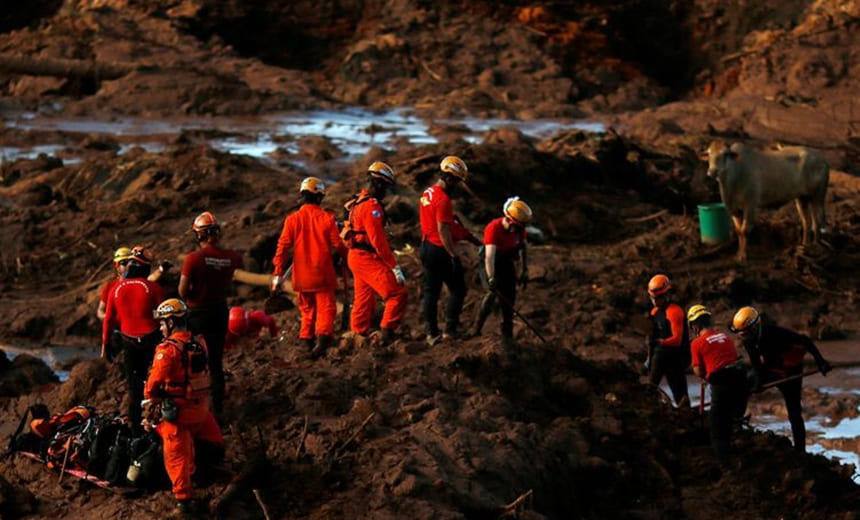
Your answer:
<point x="461" y="430"/>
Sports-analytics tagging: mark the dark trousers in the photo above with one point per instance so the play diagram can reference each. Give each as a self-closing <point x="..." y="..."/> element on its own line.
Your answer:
<point x="211" y="322"/>
<point x="137" y="358"/>
<point x="729" y="393"/>
<point x="438" y="269"/>
<point x="506" y="285"/>
<point x="791" y="392"/>
<point x="669" y="362"/>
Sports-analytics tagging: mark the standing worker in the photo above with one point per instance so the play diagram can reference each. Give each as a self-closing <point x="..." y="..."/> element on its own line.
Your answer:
<point x="129" y="309"/>
<point x="120" y="262"/>
<point x="668" y="346"/>
<point x="716" y="360"/>
<point x="374" y="268"/>
<point x="179" y="384"/>
<point x="440" y="230"/>
<point x="312" y="235"/>
<point x="777" y="353"/>
<point x="504" y="244"/>
<point x="205" y="281"/>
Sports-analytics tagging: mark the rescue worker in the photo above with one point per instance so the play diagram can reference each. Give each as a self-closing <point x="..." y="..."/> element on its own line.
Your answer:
<point x="374" y="268"/>
<point x="716" y="360"/>
<point x="504" y="244"/>
<point x="311" y="234"/>
<point x="178" y="384"/>
<point x="440" y="231"/>
<point x="777" y="353"/>
<point x="244" y="323"/>
<point x="129" y="309"/>
<point x="204" y="283"/>
<point x="120" y="261"/>
<point x="668" y="346"/>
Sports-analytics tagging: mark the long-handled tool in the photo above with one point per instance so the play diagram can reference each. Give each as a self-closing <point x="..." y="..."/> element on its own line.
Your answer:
<point x="345" y="312"/>
<point x="507" y="302"/>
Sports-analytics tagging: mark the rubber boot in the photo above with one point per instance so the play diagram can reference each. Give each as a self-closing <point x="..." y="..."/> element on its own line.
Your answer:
<point x="387" y="336"/>
<point x="323" y="344"/>
<point x="307" y="343"/>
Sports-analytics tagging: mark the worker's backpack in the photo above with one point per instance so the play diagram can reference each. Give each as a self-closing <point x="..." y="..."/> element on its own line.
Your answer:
<point x="195" y="362"/>
<point x="348" y="232"/>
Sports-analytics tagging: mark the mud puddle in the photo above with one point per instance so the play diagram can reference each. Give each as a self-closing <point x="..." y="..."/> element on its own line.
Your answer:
<point x="59" y="358"/>
<point x="836" y="437"/>
<point x="352" y="131"/>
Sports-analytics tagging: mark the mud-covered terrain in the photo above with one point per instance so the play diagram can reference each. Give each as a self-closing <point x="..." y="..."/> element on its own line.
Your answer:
<point x="464" y="429"/>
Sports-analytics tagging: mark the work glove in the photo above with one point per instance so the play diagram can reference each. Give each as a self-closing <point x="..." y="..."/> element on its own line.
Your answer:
<point x="524" y="279"/>
<point x="398" y="275"/>
<point x="276" y="284"/>
<point x="824" y="367"/>
<point x="165" y="265"/>
<point x="491" y="283"/>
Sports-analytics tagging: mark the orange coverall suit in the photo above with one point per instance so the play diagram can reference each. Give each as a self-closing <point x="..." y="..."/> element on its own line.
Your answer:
<point x="167" y="379"/>
<point x="371" y="261"/>
<point x="312" y="233"/>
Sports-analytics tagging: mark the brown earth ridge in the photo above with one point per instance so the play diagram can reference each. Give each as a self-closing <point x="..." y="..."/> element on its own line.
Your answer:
<point x="464" y="429"/>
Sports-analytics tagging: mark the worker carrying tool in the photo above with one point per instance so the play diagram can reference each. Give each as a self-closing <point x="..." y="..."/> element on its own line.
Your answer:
<point x="505" y="245"/>
<point x="668" y="344"/>
<point x="716" y="360"/>
<point x="777" y="353"/>
<point x="441" y="230"/>
<point x="374" y="268"/>
<point x="311" y="235"/>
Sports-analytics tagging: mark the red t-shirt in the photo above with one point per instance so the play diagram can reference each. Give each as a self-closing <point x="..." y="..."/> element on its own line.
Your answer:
<point x="713" y="350"/>
<point x="106" y="289"/>
<point x="210" y="271"/>
<point x="434" y="206"/>
<point x="505" y="240"/>
<point x="130" y="306"/>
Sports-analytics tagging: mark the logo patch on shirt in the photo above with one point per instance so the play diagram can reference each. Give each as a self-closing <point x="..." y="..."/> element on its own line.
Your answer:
<point x="159" y="357"/>
<point x="376" y="213"/>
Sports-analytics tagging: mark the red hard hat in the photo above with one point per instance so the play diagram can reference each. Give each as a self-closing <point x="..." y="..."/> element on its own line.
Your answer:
<point x="237" y="322"/>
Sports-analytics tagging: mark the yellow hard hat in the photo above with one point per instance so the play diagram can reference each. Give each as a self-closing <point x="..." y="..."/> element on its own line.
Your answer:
<point x="313" y="185"/>
<point x="123" y="253"/>
<point x="659" y="284"/>
<point x="455" y="166"/>
<point x="696" y="312"/>
<point x="745" y="318"/>
<point x="170" y="308"/>
<point x="517" y="210"/>
<point x="381" y="170"/>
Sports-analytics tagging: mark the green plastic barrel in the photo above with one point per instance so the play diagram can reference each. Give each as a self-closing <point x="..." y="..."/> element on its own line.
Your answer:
<point x="713" y="223"/>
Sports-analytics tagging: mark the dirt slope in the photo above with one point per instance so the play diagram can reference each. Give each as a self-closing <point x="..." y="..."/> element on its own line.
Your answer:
<point x="464" y="429"/>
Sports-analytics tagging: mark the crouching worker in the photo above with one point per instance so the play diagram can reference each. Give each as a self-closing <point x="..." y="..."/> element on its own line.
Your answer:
<point x="716" y="360"/>
<point x="247" y="324"/>
<point x="179" y="383"/>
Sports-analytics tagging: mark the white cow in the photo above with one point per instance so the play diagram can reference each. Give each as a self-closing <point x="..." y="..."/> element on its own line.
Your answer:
<point x="750" y="179"/>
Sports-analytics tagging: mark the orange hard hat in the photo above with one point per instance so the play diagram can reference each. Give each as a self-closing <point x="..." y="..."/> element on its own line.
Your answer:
<point x="659" y="284"/>
<point x="170" y="308"/>
<point x="205" y="224"/>
<point x="745" y="318"/>
<point x="238" y="322"/>
<point x="141" y="255"/>
<point x="517" y="210"/>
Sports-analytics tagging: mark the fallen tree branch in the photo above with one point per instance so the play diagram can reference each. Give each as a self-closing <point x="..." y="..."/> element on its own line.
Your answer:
<point x="337" y="452"/>
<point x="30" y="66"/>
<point x="513" y="509"/>
<point x="646" y="218"/>
<point x="302" y="438"/>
